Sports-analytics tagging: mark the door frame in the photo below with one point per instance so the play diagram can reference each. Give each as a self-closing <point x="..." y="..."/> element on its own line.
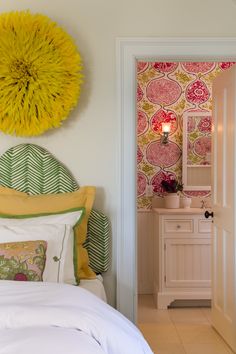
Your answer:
<point x="129" y="50"/>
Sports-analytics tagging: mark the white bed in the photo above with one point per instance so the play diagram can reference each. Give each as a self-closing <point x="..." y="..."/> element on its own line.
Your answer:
<point x="51" y="318"/>
<point x="50" y="314"/>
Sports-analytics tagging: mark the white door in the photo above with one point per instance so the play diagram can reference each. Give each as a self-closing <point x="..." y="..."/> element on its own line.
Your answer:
<point x="224" y="206"/>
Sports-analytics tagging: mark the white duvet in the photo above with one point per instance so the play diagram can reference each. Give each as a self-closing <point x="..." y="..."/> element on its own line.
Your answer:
<point x="43" y="318"/>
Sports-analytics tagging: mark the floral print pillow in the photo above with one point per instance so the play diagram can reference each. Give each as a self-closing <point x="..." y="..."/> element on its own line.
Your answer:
<point x="23" y="261"/>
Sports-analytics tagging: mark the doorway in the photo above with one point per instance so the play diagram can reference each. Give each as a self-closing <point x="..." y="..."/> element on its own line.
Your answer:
<point x="178" y="94"/>
<point x="128" y="52"/>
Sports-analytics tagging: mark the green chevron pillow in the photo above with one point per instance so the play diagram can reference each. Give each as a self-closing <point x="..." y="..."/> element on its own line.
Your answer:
<point x="32" y="169"/>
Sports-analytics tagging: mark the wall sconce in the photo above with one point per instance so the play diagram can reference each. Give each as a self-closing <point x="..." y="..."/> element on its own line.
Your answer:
<point x="165" y="127"/>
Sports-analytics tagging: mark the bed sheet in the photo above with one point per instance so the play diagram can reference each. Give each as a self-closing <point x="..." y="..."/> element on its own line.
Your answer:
<point x="95" y="286"/>
<point x="42" y="317"/>
<point x="52" y="340"/>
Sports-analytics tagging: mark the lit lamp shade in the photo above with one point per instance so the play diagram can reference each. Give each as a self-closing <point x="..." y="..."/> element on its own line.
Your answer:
<point x="165" y="132"/>
<point x="166" y="127"/>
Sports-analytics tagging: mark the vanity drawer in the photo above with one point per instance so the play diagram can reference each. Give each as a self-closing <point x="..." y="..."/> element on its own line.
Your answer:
<point x="204" y="226"/>
<point x="178" y="225"/>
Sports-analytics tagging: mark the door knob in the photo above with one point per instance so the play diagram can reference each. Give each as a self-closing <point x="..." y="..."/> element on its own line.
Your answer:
<point x="207" y="214"/>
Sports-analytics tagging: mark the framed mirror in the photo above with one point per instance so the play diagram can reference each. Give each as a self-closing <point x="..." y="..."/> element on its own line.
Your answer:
<point x="196" y="167"/>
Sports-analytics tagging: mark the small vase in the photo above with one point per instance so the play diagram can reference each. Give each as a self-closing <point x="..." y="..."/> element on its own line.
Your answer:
<point x="172" y="201"/>
<point x="185" y="202"/>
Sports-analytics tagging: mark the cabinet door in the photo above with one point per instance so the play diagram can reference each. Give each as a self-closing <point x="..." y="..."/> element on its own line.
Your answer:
<point x="188" y="263"/>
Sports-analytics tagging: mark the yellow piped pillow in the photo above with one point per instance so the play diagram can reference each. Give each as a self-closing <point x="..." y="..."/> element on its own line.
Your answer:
<point x="18" y="203"/>
<point x="10" y="191"/>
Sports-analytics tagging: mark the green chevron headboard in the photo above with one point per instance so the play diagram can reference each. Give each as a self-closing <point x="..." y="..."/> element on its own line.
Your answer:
<point x="32" y="169"/>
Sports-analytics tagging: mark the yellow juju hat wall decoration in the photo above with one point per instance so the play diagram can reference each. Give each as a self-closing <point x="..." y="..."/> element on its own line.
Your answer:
<point x="40" y="74"/>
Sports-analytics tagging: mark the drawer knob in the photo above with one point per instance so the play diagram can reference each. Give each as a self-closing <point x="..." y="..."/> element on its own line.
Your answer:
<point x="178" y="226"/>
<point x="207" y="214"/>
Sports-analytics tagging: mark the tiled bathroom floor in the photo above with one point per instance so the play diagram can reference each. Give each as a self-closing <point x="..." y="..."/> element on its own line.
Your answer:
<point x="179" y="331"/>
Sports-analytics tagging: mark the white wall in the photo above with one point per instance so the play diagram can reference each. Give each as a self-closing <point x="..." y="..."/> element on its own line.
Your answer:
<point x="87" y="143"/>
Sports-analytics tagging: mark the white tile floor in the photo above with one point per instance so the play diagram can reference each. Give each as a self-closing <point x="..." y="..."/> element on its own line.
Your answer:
<point x="179" y="331"/>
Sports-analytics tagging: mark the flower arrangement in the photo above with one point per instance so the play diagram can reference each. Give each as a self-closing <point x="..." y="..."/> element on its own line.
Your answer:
<point x="171" y="185"/>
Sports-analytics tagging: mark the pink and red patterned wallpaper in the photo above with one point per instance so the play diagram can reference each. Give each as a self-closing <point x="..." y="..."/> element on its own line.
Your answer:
<point x="164" y="92"/>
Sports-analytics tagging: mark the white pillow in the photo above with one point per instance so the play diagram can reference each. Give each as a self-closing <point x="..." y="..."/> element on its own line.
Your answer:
<point x="57" y="239"/>
<point x="69" y="218"/>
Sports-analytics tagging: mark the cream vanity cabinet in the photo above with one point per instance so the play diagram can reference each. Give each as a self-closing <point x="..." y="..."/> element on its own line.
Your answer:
<point x="182" y="255"/>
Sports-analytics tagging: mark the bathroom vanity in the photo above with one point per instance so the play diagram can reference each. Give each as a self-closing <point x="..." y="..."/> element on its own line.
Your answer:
<point x="182" y="255"/>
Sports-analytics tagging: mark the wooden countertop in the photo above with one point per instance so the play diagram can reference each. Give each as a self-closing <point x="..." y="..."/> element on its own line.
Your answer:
<point x="180" y="211"/>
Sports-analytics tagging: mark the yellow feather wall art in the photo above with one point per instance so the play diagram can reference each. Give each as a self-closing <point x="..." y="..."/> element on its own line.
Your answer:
<point x="40" y="74"/>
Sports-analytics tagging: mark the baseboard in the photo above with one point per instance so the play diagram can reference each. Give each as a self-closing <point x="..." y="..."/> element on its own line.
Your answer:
<point x="190" y="303"/>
